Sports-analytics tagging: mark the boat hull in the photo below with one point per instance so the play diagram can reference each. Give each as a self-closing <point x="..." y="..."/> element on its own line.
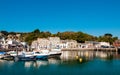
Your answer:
<point x="32" y="58"/>
<point x="42" y="56"/>
<point x="8" y="57"/>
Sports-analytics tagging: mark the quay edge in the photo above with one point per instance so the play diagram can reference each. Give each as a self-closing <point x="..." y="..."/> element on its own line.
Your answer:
<point x="91" y="49"/>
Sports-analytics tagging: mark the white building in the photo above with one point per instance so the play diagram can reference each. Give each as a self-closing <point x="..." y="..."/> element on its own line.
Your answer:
<point x="34" y="45"/>
<point x="54" y="42"/>
<point x="68" y="44"/>
<point x="105" y="44"/>
<point x="43" y="43"/>
<point x="40" y="43"/>
<point x="82" y="45"/>
<point x="2" y="42"/>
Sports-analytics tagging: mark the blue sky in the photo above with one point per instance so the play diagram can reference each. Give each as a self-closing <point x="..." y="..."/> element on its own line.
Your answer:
<point x="95" y="17"/>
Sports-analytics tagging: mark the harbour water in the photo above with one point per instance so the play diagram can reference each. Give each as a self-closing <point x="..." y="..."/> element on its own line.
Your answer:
<point x="69" y="63"/>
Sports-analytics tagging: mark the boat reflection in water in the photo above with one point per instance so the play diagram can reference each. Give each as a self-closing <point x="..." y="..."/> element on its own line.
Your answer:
<point x="71" y="57"/>
<point x="68" y="57"/>
<point x="85" y="56"/>
<point x="28" y="64"/>
<point x="37" y="64"/>
<point x="70" y="63"/>
<point x="40" y="63"/>
<point x="54" y="60"/>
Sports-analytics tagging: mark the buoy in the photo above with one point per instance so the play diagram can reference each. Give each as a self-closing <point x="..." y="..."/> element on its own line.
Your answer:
<point x="76" y="57"/>
<point x="80" y="59"/>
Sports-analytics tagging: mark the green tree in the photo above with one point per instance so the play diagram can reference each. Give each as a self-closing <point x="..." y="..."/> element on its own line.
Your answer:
<point x="4" y="32"/>
<point x="107" y="38"/>
<point x="37" y="31"/>
<point x="108" y="35"/>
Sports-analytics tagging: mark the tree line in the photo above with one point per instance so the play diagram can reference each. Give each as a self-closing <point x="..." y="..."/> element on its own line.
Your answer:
<point x="79" y="36"/>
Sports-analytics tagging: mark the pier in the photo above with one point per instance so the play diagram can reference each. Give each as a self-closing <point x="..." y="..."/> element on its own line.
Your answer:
<point x="91" y="49"/>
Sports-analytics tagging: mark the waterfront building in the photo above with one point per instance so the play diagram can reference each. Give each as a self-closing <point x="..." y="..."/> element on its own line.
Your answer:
<point x="1" y="34"/>
<point x="82" y="45"/>
<point x="116" y="43"/>
<point x="68" y="44"/>
<point x="94" y="44"/>
<point x="46" y="43"/>
<point x="40" y="43"/>
<point x="2" y="42"/>
<point x="11" y="44"/>
<point x="63" y="44"/>
<point x="43" y="43"/>
<point x="34" y="45"/>
<point x="54" y="42"/>
<point x="72" y="43"/>
<point x="105" y="44"/>
<point x="18" y="35"/>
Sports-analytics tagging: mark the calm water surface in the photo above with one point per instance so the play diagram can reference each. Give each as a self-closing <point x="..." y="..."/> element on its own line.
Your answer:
<point x="69" y="63"/>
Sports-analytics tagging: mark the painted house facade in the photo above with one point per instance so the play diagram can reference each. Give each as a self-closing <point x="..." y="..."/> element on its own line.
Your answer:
<point x="116" y="43"/>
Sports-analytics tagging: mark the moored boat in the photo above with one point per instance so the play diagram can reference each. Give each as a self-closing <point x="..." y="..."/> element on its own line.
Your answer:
<point x="40" y="55"/>
<point x="32" y="56"/>
<point x="52" y="53"/>
<point x="2" y="54"/>
<point x="26" y="56"/>
<point x="55" y="52"/>
<point x="7" y="57"/>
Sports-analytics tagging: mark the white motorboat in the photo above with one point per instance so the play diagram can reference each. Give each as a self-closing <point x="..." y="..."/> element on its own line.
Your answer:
<point x="26" y="56"/>
<point x="54" y="52"/>
<point x="40" y="55"/>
